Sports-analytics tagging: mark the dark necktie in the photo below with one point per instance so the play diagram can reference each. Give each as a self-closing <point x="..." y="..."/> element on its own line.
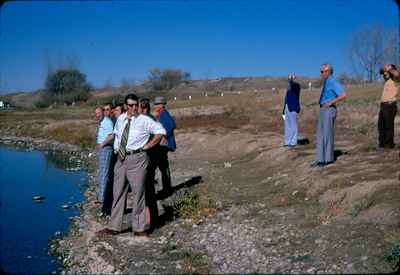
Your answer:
<point x="124" y="141"/>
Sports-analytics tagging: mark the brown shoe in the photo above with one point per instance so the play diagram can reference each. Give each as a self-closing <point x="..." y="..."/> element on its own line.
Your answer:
<point x="141" y="234"/>
<point x="107" y="231"/>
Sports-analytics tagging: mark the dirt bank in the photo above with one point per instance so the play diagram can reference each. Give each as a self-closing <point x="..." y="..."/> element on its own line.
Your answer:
<point x="274" y="213"/>
<point x="244" y="203"/>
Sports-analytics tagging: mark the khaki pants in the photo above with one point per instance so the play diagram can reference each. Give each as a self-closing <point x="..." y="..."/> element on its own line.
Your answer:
<point x="133" y="168"/>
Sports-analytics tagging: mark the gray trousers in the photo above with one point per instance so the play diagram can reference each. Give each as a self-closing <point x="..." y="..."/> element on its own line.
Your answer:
<point x="291" y="131"/>
<point x="133" y="168"/>
<point x="326" y="135"/>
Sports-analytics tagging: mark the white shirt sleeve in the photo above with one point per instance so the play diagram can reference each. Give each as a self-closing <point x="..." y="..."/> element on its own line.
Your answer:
<point x="155" y="127"/>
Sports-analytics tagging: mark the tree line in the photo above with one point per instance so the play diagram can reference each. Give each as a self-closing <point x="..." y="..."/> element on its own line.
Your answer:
<point x="70" y="86"/>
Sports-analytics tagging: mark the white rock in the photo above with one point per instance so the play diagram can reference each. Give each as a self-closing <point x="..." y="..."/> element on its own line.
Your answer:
<point x="227" y="164"/>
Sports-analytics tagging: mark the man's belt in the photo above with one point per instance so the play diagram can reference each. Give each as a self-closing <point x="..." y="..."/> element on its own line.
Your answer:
<point x="389" y="102"/>
<point x="137" y="151"/>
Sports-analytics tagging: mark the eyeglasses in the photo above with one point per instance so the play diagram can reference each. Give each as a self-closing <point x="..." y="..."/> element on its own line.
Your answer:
<point x="131" y="105"/>
<point x="107" y="109"/>
<point x="324" y="71"/>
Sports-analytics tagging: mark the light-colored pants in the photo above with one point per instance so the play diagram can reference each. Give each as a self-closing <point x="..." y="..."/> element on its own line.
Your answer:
<point x="326" y="135"/>
<point x="104" y="156"/>
<point x="291" y="131"/>
<point x="133" y="168"/>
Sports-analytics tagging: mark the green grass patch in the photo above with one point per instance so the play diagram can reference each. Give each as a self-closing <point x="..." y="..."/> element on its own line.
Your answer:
<point x="360" y="206"/>
<point x="392" y="255"/>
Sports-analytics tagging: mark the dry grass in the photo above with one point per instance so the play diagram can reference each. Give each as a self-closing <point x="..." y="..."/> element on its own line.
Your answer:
<point x="254" y="111"/>
<point x="73" y="133"/>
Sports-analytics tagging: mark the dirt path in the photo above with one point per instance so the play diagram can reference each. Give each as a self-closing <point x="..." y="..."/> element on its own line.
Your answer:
<point x="289" y="217"/>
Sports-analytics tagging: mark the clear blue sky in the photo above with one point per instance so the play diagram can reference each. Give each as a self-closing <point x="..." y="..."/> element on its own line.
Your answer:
<point x="113" y="40"/>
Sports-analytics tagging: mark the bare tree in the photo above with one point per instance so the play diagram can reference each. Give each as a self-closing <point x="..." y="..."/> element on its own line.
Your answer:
<point x="390" y="48"/>
<point x="53" y="62"/>
<point x="108" y="85"/>
<point x="366" y="50"/>
<point x="125" y="85"/>
<point x="398" y="32"/>
<point x="166" y="79"/>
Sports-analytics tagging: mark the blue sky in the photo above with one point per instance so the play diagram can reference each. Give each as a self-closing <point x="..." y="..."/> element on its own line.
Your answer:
<point x="114" y="40"/>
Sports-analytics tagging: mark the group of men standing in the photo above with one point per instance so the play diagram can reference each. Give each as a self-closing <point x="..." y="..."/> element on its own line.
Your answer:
<point x="332" y="92"/>
<point x="139" y="143"/>
<point x="133" y="149"/>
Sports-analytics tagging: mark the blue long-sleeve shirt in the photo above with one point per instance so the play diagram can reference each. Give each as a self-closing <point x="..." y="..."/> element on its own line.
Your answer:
<point x="169" y="125"/>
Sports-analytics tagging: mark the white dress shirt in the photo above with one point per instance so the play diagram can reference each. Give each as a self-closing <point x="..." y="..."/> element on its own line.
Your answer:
<point x="139" y="131"/>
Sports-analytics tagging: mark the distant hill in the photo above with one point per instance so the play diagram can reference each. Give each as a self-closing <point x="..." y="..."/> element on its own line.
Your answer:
<point x="192" y="87"/>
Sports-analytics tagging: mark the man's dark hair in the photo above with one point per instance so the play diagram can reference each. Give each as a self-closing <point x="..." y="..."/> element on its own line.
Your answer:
<point x="132" y="97"/>
<point x="393" y="66"/>
<point x="108" y="103"/>
<point x="122" y="107"/>
<point x="144" y="103"/>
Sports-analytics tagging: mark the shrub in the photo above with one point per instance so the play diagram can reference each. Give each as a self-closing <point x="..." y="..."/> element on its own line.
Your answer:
<point x="393" y="255"/>
<point x="67" y="86"/>
<point x="114" y="99"/>
<point x="166" y="79"/>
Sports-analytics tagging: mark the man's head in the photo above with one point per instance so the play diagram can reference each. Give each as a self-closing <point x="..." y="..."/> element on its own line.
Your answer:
<point x="107" y="108"/>
<point x="385" y="71"/>
<point x="99" y="113"/>
<point x="291" y="77"/>
<point x="159" y="103"/>
<point x="144" y="106"/>
<point x="118" y="110"/>
<point x="131" y="101"/>
<point x="326" y="71"/>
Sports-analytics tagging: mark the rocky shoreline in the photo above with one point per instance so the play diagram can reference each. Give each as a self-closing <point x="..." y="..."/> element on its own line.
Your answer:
<point x="81" y="250"/>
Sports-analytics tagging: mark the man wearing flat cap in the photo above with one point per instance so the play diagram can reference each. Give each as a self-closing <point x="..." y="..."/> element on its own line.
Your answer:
<point x="159" y="154"/>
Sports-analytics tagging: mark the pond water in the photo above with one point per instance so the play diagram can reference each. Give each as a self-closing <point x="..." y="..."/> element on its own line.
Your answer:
<point x="26" y="226"/>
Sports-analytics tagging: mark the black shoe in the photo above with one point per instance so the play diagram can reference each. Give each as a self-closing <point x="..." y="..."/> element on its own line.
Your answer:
<point x="107" y="231"/>
<point x="164" y="193"/>
<point x="317" y="164"/>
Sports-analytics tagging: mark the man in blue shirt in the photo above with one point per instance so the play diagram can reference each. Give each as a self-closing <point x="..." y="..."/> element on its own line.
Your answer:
<point x="167" y="144"/>
<point x="290" y="111"/>
<point x="331" y="93"/>
<point x="104" y="153"/>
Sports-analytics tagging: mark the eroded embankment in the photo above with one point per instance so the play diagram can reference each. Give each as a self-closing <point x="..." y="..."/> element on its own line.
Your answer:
<point x="272" y="212"/>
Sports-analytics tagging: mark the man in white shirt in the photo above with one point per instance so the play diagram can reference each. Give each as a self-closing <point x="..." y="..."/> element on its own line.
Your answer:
<point x="131" y="141"/>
